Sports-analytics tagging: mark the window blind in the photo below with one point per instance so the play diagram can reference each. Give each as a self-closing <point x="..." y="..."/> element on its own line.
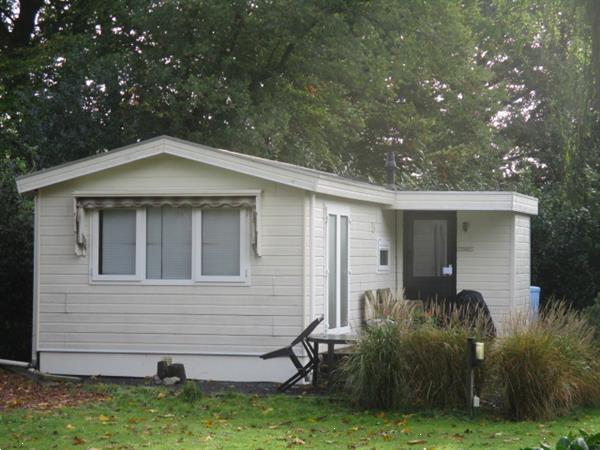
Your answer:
<point x="220" y="242"/>
<point x="117" y="242"/>
<point x="169" y="243"/>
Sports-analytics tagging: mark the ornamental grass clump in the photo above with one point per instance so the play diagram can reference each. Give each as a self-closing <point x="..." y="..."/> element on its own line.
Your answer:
<point x="373" y="374"/>
<point x="544" y="367"/>
<point x="434" y="355"/>
<point x="413" y="356"/>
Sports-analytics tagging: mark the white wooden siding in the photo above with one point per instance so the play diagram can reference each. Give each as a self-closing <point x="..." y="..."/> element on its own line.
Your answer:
<point x="78" y="315"/>
<point x="484" y="254"/>
<point x="522" y="262"/>
<point x="368" y="224"/>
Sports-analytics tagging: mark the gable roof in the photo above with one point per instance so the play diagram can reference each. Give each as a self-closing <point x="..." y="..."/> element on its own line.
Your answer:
<point x="279" y="172"/>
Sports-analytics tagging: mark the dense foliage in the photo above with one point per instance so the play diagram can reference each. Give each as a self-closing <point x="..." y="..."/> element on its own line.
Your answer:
<point x="489" y="94"/>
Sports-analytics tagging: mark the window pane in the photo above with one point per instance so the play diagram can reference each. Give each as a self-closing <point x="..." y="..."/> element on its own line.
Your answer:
<point x="332" y="267"/>
<point x="384" y="257"/>
<point x="169" y="243"/>
<point x="221" y="242"/>
<point x="153" y="243"/>
<point x="117" y="242"/>
<point x="343" y="271"/>
<point x="429" y="247"/>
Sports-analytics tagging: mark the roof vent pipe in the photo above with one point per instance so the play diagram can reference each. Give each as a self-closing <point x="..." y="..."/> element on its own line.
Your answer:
<point x="390" y="170"/>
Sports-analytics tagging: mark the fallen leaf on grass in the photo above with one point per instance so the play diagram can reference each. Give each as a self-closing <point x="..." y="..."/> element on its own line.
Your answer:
<point x="69" y="427"/>
<point x="78" y="441"/>
<point x="134" y="420"/>
<point x="161" y="395"/>
<point x="295" y="441"/>
<point x="416" y="441"/>
<point x="18" y="391"/>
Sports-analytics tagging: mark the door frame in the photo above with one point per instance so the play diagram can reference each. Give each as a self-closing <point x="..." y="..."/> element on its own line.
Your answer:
<point x="407" y="244"/>
<point x="338" y="211"/>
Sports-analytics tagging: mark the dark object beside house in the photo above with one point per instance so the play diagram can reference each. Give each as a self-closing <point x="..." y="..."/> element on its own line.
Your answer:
<point x="164" y="369"/>
<point x="470" y="304"/>
<point x="176" y="370"/>
<point x="473" y="303"/>
<point x="288" y="351"/>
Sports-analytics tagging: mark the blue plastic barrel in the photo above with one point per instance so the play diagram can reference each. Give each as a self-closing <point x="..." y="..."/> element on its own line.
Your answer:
<point x="534" y="298"/>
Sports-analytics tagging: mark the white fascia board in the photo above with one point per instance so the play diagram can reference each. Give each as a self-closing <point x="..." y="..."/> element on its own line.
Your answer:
<point x="282" y="173"/>
<point x="90" y="165"/>
<point x="465" y="201"/>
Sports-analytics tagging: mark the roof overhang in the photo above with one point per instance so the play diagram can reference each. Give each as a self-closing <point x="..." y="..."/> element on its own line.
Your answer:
<point x="278" y="172"/>
<point x="466" y="201"/>
<point x="287" y="174"/>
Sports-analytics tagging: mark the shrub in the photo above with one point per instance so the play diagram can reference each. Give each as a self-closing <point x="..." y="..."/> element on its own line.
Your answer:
<point x="190" y="392"/>
<point x="373" y="373"/>
<point x="547" y="366"/>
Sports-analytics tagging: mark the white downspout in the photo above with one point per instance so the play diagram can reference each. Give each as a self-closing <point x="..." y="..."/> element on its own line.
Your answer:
<point x="311" y="262"/>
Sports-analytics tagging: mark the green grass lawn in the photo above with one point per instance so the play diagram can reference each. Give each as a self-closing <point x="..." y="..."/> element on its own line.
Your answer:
<point x="138" y="417"/>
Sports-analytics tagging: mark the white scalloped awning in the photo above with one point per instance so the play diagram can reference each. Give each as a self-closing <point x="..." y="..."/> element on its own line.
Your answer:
<point x="87" y="203"/>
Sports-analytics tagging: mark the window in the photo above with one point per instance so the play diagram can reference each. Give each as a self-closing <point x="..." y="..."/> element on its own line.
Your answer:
<point x="430" y="248"/>
<point x="117" y="242"/>
<point x="220" y="243"/>
<point x="168" y="244"/>
<point x="383" y="263"/>
<point x="338" y="270"/>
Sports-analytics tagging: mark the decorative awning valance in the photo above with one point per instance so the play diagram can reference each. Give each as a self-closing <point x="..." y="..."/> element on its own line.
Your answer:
<point x="157" y="202"/>
<point x="89" y="203"/>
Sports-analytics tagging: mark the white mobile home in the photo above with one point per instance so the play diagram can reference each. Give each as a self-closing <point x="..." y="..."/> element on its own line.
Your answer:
<point x="170" y="248"/>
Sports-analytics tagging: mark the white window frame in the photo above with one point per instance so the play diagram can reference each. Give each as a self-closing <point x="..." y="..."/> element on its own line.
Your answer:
<point x="140" y="250"/>
<point x="197" y="251"/>
<point x="140" y="254"/>
<point x="383" y="244"/>
<point x="337" y="211"/>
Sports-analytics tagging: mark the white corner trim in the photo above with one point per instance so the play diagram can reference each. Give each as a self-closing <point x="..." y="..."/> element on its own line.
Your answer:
<point x="35" y="340"/>
<point x="312" y="258"/>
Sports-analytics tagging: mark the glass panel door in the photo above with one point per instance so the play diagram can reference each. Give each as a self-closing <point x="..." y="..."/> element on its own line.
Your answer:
<point x="338" y="271"/>
<point x="332" y="268"/>
<point x="344" y="271"/>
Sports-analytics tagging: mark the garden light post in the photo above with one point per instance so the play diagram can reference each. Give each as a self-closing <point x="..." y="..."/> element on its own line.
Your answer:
<point x="475" y="356"/>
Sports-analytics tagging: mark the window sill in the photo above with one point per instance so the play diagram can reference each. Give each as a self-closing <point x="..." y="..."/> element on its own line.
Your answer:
<point x="340" y="330"/>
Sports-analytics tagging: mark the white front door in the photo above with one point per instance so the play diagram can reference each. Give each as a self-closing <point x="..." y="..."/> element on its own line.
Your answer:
<point x="338" y="271"/>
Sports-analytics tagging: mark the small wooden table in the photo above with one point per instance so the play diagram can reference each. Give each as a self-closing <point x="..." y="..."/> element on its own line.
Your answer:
<point x="331" y="340"/>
